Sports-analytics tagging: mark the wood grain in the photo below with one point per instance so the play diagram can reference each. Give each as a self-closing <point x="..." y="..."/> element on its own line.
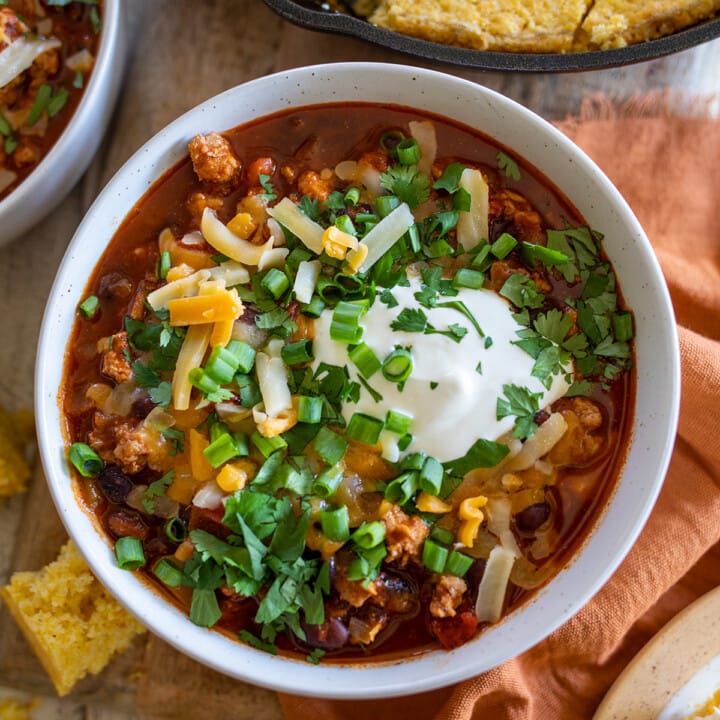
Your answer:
<point x="180" y="53"/>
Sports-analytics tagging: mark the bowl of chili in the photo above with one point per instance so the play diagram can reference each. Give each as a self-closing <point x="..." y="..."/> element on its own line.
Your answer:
<point x="61" y="65"/>
<point x="373" y="389"/>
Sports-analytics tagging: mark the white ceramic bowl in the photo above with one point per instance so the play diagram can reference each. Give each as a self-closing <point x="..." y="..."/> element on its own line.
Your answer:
<point x="69" y="157"/>
<point x="642" y="283"/>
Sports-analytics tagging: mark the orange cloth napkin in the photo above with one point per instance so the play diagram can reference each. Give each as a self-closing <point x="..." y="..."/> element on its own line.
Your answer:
<point x="669" y="171"/>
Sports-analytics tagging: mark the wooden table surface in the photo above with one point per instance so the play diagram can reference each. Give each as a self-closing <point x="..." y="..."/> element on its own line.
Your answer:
<point x="180" y="52"/>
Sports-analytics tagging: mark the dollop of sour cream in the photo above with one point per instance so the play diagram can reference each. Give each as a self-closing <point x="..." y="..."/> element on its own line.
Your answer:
<point x="454" y="387"/>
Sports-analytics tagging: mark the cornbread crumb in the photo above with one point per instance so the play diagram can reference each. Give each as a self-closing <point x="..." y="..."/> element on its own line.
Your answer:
<point x="512" y="25"/>
<point x="72" y="623"/>
<point x="14" y="710"/>
<point x="16" y="432"/>
<point x="617" y="23"/>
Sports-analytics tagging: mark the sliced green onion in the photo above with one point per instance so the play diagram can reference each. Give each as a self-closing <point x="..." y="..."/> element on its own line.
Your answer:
<point x="129" y="553"/>
<point x="389" y="139"/>
<point x="267" y="446"/>
<point x="414" y="461"/>
<point x="78" y="80"/>
<point x="368" y="535"/>
<point x="309" y="409"/>
<point x="86" y="461"/>
<point x="5" y="128"/>
<point x="202" y="381"/>
<point x="431" y="476"/>
<point x="164" y="264"/>
<point x="350" y="285"/>
<point x="89" y="306"/>
<point x="58" y="102"/>
<point x="242" y="445"/>
<point x="330" y="446"/>
<point x="297" y="256"/>
<point x="352" y="196"/>
<point x="221" y="450"/>
<point x="344" y="223"/>
<point x="398" y="365"/>
<point x="248" y="389"/>
<point x="169" y="574"/>
<point x="503" y="245"/>
<point x="276" y="282"/>
<point x="297" y="352"/>
<point x="413" y="235"/>
<point x="623" y="326"/>
<point x="329" y="290"/>
<point x="481" y="259"/>
<point x="314" y="308"/>
<point x="404" y="442"/>
<point x="42" y="100"/>
<point x="402" y="488"/>
<point x="434" y="556"/>
<point x="244" y="354"/>
<point x="327" y="482"/>
<point x="545" y="255"/>
<point x="176" y="530"/>
<point x="439" y="248"/>
<point x="408" y="151"/>
<point x="335" y="524"/>
<point x="365" y="360"/>
<point x="458" y="563"/>
<point x="442" y="535"/>
<point x="398" y="422"/>
<point x="468" y="278"/>
<point x="221" y="365"/>
<point x="462" y="200"/>
<point x="364" y="428"/>
<point x="204" y="608"/>
<point x="345" y="325"/>
<point x="385" y="204"/>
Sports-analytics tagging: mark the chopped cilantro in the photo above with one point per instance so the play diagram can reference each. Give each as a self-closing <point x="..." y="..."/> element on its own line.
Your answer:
<point x="257" y="643"/>
<point x="156" y="489"/>
<point x="315" y="655"/>
<point x="450" y="179"/>
<point x="483" y="453"/>
<point x="162" y="394"/>
<point x="406" y="183"/>
<point x="521" y="403"/>
<point x="410" y="320"/>
<point x="522" y="292"/>
<point x="508" y="165"/>
<point x="269" y="195"/>
<point x="388" y="298"/>
<point x="554" y="325"/>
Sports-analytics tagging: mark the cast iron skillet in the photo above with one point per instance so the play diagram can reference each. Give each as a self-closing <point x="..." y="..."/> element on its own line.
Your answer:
<point x="309" y="14"/>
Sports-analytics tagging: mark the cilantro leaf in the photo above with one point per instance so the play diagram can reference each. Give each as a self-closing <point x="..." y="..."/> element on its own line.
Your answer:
<point x="521" y="403"/>
<point x="247" y="637"/>
<point x="269" y="195"/>
<point x="161" y="394"/>
<point x="508" y="165"/>
<point x="522" y="292"/>
<point x="388" y="298"/>
<point x="554" y="325"/>
<point x="410" y="320"/>
<point x="156" y="489"/>
<point x="406" y="183"/>
<point x="144" y="376"/>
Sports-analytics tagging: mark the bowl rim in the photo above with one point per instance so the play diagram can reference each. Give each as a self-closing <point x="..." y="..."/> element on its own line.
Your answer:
<point x="376" y="679"/>
<point x="54" y="159"/>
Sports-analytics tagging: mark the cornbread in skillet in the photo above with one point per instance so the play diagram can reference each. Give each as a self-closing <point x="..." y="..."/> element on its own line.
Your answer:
<point x="68" y="618"/>
<point x="617" y="23"/>
<point x="510" y="25"/>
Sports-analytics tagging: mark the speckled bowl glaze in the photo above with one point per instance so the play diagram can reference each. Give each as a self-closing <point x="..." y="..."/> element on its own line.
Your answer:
<point x="658" y="384"/>
<point x="70" y="156"/>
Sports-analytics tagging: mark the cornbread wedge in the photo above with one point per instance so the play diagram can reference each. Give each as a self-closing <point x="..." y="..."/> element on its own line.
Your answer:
<point x="616" y="23"/>
<point x="513" y="25"/>
<point x="72" y="623"/>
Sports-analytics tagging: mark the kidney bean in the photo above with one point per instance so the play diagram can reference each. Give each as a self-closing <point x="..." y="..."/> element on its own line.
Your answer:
<point x="123" y="522"/>
<point x="532" y="517"/>
<point x="115" y="485"/>
<point x="331" y="635"/>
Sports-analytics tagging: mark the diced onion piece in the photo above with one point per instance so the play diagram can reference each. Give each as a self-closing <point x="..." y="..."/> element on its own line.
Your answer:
<point x="389" y="444"/>
<point x="288" y="214"/>
<point x="306" y="278"/>
<point x="273" y="258"/>
<point x="499" y="511"/>
<point x="121" y="399"/>
<point x="424" y="132"/>
<point x="540" y="444"/>
<point x="158" y="419"/>
<point x="472" y="225"/>
<point x="232" y="414"/>
<point x="20" y="54"/>
<point x="493" y="586"/>
<point x="184" y="287"/>
<point x="225" y="242"/>
<point x="81" y="61"/>
<point x="528" y="576"/>
<point x="369" y="177"/>
<point x="385" y="234"/>
<point x="209" y="496"/>
<point x="233" y="273"/>
<point x="190" y="356"/>
<point x="273" y="383"/>
<point x="346" y="170"/>
<point x="7" y="178"/>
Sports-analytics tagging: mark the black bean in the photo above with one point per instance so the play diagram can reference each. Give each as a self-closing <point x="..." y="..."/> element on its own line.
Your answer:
<point x="125" y="522"/>
<point x="532" y="517"/>
<point x="114" y="484"/>
<point x="142" y="407"/>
